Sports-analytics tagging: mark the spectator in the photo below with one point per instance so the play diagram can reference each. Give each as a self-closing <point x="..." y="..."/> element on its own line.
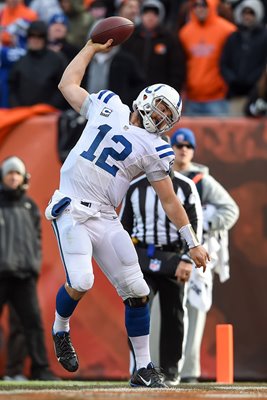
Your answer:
<point x="9" y="55"/>
<point x="256" y="105"/>
<point x="101" y="8"/>
<point x="80" y="21"/>
<point x="235" y="3"/>
<point x="13" y="12"/>
<point x="173" y="9"/>
<point x="20" y="260"/>
<point x="45" y="8"/>
<point x="224" y="9"/>
<point x="98" y="9"/>
<point x="244" y="55"/>
<point x="203" y="38"/>
<point x="157" y="51"/>
<point x="220" y="213"/>
<point x="164" y="260"/>
<point x="57" y="37"/>
<point x="34" y="77"/>
<point x="130" y="9"/>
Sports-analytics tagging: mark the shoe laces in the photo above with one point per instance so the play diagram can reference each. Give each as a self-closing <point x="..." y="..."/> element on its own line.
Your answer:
<point x="66" y="345"/>
<point x="155" y="373"/>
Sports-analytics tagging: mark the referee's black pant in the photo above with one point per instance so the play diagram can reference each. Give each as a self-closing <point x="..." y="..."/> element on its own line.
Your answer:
<point x="171" y="294"/>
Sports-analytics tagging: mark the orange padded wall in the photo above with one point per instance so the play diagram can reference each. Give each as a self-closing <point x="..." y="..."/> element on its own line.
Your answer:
<point x="236" y="152"/>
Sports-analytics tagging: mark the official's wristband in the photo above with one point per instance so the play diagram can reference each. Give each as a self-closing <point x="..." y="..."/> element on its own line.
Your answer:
<point x="187" y="261"/>
<point x="189" y="236"/>
<point x="186" y="258"/>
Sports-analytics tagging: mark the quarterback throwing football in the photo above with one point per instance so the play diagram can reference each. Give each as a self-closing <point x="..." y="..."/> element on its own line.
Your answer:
<point x="115" y="146"/>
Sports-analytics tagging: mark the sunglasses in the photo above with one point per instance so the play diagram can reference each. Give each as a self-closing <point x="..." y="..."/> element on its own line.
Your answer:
<point x="181" y="145"/>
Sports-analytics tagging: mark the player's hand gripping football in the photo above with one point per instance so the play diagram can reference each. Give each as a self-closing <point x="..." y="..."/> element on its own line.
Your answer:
<point x="200" y="256"/>
<point x="98" y="47"/>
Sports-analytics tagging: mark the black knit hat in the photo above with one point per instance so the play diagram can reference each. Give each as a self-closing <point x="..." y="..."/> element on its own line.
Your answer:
<point x="38" y="28"/>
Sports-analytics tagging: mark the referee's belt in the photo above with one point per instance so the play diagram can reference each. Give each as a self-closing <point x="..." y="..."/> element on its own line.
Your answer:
<point x="174" y="247"/>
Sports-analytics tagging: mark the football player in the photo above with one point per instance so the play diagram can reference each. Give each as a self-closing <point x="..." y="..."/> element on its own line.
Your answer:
<point x="115" y="146"/>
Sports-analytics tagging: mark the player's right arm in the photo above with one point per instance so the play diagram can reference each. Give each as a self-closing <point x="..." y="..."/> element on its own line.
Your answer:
<point x="70" y="83"/>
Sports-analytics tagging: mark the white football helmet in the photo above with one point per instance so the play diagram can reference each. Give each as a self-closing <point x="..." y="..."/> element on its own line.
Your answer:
<point x="148" y="102"/>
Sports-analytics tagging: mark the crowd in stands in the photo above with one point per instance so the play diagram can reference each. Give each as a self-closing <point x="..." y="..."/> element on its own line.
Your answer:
<point x="212" y="51"/>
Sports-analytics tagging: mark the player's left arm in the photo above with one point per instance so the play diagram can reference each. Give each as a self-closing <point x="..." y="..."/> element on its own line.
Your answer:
<point x="70" y="83"/>
<point x="170" y="202"/>
<point x="176" y="213"/>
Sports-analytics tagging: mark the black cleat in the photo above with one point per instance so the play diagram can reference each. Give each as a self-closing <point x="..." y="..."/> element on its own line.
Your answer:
<point x="65" y="352"/>
<point x="148" y="377"/>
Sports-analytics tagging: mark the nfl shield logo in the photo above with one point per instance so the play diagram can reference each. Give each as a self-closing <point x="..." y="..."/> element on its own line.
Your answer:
<point x="154" y="264"/>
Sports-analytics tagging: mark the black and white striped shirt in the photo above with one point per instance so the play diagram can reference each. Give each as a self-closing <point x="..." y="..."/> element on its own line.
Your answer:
<point x="143" y="217"/>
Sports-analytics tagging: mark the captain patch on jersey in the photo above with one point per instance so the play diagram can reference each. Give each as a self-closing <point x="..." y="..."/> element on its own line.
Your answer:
<point x="106" y="112"/>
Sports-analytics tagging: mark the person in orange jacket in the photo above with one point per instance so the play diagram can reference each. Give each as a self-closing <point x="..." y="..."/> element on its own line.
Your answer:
<point x="203" y="38"/>
<point x="14" y="11"/>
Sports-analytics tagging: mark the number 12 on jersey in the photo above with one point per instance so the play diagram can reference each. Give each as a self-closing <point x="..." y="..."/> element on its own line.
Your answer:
<point x="107" y="151"/>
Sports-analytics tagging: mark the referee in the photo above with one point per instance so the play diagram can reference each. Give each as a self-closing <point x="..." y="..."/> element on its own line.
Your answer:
<point x="163" y="258"/>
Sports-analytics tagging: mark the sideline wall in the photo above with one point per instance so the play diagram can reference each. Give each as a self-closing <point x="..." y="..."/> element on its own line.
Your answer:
<point x="236" y="152"/>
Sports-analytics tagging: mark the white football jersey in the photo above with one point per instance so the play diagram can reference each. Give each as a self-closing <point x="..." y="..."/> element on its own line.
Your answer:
<point x="111" y="152"/>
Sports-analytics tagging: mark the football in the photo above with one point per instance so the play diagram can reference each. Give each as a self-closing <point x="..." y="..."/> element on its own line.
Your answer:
<point x="117" y="28"/>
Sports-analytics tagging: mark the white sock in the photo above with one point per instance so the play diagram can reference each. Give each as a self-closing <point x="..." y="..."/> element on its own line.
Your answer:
<point x="141" y="350"/>
<point x="61" y="324"/>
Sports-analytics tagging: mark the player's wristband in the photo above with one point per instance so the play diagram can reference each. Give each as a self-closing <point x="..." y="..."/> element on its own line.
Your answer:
<point x="189" y="236"/>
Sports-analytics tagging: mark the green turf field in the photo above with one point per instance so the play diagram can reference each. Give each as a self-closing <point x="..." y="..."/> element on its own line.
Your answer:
<point x="104" y="390"/>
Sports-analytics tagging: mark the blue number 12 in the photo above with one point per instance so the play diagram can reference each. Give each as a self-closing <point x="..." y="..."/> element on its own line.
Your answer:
<point x="108" y="151"/>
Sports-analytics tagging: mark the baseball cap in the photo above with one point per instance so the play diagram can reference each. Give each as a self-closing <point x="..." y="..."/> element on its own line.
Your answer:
<point x="183" y="135"/>
<point x="59" y="18"/>
<point x="13" y="164"/>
